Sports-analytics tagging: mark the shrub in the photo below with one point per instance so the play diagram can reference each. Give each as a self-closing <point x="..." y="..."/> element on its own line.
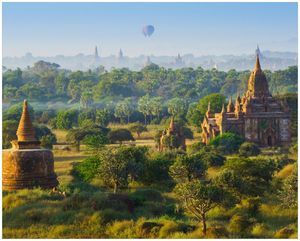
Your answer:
<point x="121" y="229"/>
<point x="282" y="162"/>
<point x="147" y="229"/>
<point x="249" y="149"/>
<point x="155" y="208"/>
<point x="219" y="213"/>
<point x="196" y="147"/>
<point x="75" y="201"/>
<point x="260" y="230"/>
<point x="227" y="143"/>
<point x="238" y="225"/>
<point x="110" y="215"/>
<point x="157" y="168"/>
<point x="212" y="159"/>
<point x="88" y="168"/>
<point x="66" y="217"/>
<point x="250" y="206"/>
<point x="217" y="232"/>
<point x="285" y="232"/>
<point x="143" y="195"/>
<point x="294" y="149"/>
<point x="23" y="197"/>
<point x="93" y="222"/>
<point x="120" y="135"/>
<point x="168" y="228"/>
<point x="138" y="128"/>
<point x="187" y="168"/>
<point x="119" y="202"/>
<point x="48" y="141"/>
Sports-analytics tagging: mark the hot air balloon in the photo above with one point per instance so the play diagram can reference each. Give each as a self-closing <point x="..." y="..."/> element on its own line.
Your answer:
<point x="148" y="30"/>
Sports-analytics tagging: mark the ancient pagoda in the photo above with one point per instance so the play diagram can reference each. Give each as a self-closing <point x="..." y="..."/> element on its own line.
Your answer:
<point x="172" y="138"/>
<point x="256" y="116"/>
<point x="26" y="164"/>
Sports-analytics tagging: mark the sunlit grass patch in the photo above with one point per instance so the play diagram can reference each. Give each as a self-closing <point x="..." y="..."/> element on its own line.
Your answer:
<point x="286" y="171"/>
<point x="276" y="216"/>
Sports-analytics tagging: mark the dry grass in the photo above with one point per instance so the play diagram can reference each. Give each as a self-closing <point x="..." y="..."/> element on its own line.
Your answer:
<point x="60" y="135"/>
<point x="213" y="171"/>
<point x="63" y="164"/>
<point x="286" y="171"/>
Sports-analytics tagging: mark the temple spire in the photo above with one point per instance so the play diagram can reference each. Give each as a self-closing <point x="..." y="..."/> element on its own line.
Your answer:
<point x="257" y="63"/>
<point x="223" y="111"/>
<point x="208" y="112"/>
<point x="230" y="106"/>
<point x="25" y="130"/>
<point x="172" y="125"/>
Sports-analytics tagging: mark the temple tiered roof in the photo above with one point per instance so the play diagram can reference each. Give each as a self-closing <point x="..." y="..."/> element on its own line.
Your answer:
<point x="258" y="84"/>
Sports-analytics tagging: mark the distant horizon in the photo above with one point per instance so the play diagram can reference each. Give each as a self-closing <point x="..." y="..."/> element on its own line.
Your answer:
<point x="156" y="55"/>
<point x="201" y="29"/>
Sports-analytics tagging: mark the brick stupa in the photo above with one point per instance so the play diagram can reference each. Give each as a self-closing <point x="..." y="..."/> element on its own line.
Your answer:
<point x="177" y="137"/>
<point x="26" y="164"/>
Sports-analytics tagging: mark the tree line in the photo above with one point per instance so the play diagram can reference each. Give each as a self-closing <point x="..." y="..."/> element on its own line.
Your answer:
<point x="48" y="82"/>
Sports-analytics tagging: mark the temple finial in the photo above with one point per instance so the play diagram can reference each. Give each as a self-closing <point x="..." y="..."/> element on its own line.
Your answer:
<point x="25" y="130"/>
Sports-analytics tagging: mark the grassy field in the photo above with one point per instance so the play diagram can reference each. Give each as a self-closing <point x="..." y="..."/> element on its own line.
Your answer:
<point x="145" y="139"/>
<point x="91" y="211"/>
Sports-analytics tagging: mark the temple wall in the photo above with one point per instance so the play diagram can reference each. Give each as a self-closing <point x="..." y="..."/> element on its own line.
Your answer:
<point x="284" y="130"/>
<point x="28" y="169"/>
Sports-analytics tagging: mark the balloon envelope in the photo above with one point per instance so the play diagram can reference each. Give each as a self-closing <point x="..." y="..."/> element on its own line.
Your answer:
<point x="148" y="30"/>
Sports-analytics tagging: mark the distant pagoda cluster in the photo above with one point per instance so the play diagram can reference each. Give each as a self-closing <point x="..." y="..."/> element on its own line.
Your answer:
<point x="256" y="116"/>
<point x="27" y="165"/>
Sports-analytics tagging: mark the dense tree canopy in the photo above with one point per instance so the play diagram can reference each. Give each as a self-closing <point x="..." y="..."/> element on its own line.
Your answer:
<point x="47" y="81"/>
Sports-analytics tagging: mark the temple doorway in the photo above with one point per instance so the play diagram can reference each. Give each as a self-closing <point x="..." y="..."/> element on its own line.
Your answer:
<point x="270" y="143"/>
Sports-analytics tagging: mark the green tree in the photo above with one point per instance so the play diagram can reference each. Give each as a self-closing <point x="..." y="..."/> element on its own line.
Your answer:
<point x="136" y="157"/>
<point x="9" y="129"/>
<point x="156" y="106"/>
<point x="120" y="135"/>
<point x="187" y="168"/>
<point x="157" y="168"/>
<point x="144" y="106"/>
<point x="249" y="149"/>
<point x="124" y="109"/>
<point x="47" y="141"/>
<point x="114" y="167"/>
<point x="86" y="99"/>
<point x="103" y="116"/>
<point x="79" y="134"/>
<point x="194" y="115"/>
<point x="138" y="128"/>
<point x="289" y="191"/>
<point x="216" y="102"/>
<point x="211" y="157"/>
<point x="198" y="198"/>
<point x="176" y="107"/>
<point x="86" y="116"/>
<point x="227" y="143"/>
<point x="74" y="90"/>
<point x="245" y="177"/>
<point x="15" y="111"/>
<point x="95" y="142"/>
<point x="66" y="119"/>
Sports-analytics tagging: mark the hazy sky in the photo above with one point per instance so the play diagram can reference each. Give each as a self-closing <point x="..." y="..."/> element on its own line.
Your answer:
<point x="49" y="29"/>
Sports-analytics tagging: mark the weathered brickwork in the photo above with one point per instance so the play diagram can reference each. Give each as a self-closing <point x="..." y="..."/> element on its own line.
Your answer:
<point x="26" y="165"/>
